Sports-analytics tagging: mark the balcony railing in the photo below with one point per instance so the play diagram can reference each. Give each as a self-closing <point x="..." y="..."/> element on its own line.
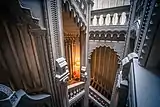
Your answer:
<point x="98" y="98"/>
<point x="75" y="92"/>
<point x="110" y="16"/>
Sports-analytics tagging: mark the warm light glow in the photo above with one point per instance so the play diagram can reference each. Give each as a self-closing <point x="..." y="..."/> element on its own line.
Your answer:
<point x="76" y="72"/>
<point x="76" y="63"/>
<point x="72" y="52"/>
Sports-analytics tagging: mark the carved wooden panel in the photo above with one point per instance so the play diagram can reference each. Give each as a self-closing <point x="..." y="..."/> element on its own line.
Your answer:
<point x="22" y="58"/>
<point x="23" y="51"/>
<point x="104" y="64"/>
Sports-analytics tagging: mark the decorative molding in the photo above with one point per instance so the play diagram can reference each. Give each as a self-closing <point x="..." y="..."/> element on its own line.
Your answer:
<point x="109" y="28"/>
<point x="150" y="34"/>
<point x="54" y="26"/>
<point x="107" y="35"/>
<point x="147" y="14"/>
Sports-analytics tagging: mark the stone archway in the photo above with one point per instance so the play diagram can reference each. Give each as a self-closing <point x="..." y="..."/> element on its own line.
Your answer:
<point x="74" y="41"/>
<point x="104" y="65"/>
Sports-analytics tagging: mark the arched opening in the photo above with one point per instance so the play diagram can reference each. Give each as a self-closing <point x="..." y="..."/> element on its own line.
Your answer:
<point x="74" y="37"/>
<point x="104" y="64"/>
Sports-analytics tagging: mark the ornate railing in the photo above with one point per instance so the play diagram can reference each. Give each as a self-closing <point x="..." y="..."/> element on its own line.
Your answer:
<point x="110" y="16"/>
<point x="75" y="92"/>
<point x="98" y="98"/>
<point x="109" y="23"/>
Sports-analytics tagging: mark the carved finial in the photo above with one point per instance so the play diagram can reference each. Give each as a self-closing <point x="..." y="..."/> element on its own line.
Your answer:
<point x="62" y="70"/>
<point x="83" y="73"/>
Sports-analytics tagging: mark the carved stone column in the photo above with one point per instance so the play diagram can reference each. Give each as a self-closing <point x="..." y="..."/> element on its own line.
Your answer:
<point x="104" y="19"/>
<point x="86" y="97"/>
<point x="98" y="20"/>
<point x="111" y="19"/>
<point x="56" y="26"/>
<point x="127" y="17"/>
<point x="53" y="20"/>
<point x="91" y="20"/>
<point x="61" y="79"/>
<point x="119" y="17"/>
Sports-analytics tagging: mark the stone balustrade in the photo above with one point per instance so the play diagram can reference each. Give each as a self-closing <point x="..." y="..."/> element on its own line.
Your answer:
<point x="74" y="89"/>
<point x="75" y="92"/>
<point x="110" y="16"/>
<point x="98" y="98"/>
